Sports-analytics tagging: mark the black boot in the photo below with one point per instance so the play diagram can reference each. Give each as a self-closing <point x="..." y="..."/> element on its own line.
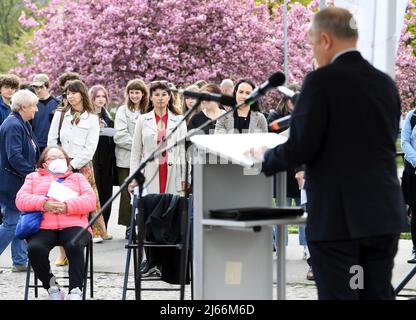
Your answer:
<point x="413" y="257"/>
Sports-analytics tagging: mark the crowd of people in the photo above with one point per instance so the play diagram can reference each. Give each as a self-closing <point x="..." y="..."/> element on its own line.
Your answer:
<point x="100" y="150"/>
<point x="354" y="214"/>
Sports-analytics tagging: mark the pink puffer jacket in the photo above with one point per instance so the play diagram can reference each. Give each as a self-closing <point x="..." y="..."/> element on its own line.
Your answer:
<point x="31" y="197"/>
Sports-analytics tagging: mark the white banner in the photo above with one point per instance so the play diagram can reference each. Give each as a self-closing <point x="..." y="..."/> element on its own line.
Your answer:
<point x="378" y="37"/>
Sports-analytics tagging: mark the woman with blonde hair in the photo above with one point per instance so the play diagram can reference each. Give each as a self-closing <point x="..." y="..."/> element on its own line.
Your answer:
<point x="136" y="101"/>
<point x="104" y="157"/>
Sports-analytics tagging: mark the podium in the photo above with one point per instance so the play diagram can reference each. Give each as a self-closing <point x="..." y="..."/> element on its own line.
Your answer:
<point x="234" y="259"/>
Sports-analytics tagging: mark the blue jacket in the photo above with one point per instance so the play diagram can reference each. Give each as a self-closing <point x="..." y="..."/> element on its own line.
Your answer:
<point x="19" y="152"/>
<point x="43" y="118"/>
<point x="4" y="110"/>
<point x="408" y="140"/>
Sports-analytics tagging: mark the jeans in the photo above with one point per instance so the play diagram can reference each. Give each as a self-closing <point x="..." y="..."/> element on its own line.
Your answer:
<point x="7" y="235"/>
<point x="302" y="236"/>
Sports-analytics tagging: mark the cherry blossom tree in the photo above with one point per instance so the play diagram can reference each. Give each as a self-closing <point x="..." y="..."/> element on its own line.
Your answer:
<point x="113" y="41"/>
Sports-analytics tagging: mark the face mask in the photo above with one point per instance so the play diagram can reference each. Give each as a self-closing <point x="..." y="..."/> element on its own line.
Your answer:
<point x="58" y="166"/>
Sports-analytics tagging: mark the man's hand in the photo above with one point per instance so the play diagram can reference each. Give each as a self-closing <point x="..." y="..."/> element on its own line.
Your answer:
<point x="256" y="153"/>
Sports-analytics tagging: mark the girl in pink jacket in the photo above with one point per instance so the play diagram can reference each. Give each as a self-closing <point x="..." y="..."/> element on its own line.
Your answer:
<point x="62" y="220"/>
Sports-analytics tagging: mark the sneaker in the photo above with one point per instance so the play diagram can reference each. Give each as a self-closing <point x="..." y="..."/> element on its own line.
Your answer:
<point x="75" y="294"/>
<point x="19" y="268"/>
<point x="413" y="257"/>
<point x="309" y="275"/>
<point x="56" y="294"/>
<point x="97" y="240"/>
<point x="306" y="253"/>
<point x="151" y="272"/>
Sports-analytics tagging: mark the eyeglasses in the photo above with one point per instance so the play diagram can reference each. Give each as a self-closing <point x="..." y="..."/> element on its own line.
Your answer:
<point x="55" y="158"/>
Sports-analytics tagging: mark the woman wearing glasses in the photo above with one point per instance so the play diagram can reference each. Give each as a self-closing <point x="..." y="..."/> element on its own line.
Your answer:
<point x="166" y="174"/>
<point x="62" y="221"/>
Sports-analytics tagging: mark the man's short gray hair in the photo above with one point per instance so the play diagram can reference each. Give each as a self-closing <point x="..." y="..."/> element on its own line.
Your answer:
<point x="23" y="99"/>
<point x="227" y="83"/>
<point x="337" y="21"/>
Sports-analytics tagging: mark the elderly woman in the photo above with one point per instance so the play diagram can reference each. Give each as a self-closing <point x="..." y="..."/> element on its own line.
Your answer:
<point x="61" y="220"/>
<point x="19" y="152"/>
<point x="245" y="119"/>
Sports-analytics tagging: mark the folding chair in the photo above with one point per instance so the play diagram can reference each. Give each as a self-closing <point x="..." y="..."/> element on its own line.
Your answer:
<point x="137" y="243"/>
<point x="88" y="263"/>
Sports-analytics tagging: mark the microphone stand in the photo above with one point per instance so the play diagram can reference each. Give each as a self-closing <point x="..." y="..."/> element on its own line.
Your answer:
<point x="137" y="175"/>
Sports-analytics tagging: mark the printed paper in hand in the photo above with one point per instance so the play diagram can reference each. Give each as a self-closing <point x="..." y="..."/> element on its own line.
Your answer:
<point x="60" y="192"/>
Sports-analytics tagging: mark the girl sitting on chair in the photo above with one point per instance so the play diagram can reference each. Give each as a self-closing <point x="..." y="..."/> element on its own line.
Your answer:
<point x="61" y="221"/>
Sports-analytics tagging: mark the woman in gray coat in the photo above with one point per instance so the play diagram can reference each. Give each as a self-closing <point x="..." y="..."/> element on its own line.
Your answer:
<point x="245" y="119"/>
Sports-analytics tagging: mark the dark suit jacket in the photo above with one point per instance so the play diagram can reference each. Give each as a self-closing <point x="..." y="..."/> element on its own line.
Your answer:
<point x="18" y="156"/>
<point x="344" y="129"/>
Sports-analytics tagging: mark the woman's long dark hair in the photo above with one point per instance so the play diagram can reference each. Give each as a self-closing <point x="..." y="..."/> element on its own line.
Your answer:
<point x="79" y="86"/>
<point x="282" y="106"/>
<point x="163" y="85"/>
<point x="255" y="106"/>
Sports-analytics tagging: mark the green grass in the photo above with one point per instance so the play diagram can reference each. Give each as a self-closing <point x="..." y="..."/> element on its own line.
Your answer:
<point x="406" y="236"/>
<point x="399" y="159"/>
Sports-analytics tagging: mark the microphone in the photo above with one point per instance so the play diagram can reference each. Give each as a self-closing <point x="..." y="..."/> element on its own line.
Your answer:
<point x="292" y="95"/>
<point x="280" y="124"/>
<point x="205" y="96"/>
<point x="286" y="91"/>
<point x="276" y="79"/>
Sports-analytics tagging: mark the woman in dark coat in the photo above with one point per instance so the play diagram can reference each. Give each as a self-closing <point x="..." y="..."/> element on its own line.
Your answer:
<point x="19" y="152"/>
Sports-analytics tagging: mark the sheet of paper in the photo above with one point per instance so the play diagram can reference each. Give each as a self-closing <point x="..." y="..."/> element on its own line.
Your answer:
<point x="109" y="132"/>
<point x="234" y="146"/>
<point x="61" y="193"/>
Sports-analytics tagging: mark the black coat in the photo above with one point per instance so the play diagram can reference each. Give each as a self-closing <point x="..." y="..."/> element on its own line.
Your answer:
<point x="162" y="218"/>
<point x="344" y="128"/>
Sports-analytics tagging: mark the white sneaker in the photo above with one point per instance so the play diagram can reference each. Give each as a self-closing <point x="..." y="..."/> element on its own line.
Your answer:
<point x="75" y="294"/>
<point x="97" y="240"/>
<point x="56" y="294"/>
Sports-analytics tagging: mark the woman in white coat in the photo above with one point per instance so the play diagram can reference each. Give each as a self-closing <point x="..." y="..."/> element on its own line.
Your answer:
<point x="166" y="174"/>
<point x="77" y="130"/>
<point x="136" y="101"/>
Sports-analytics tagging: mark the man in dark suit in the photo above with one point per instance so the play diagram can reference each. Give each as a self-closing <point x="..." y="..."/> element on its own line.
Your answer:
<point x="344" y="129"/>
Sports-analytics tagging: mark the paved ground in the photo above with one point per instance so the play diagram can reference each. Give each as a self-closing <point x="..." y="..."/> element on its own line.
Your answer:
<point x="109" y="264"/>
